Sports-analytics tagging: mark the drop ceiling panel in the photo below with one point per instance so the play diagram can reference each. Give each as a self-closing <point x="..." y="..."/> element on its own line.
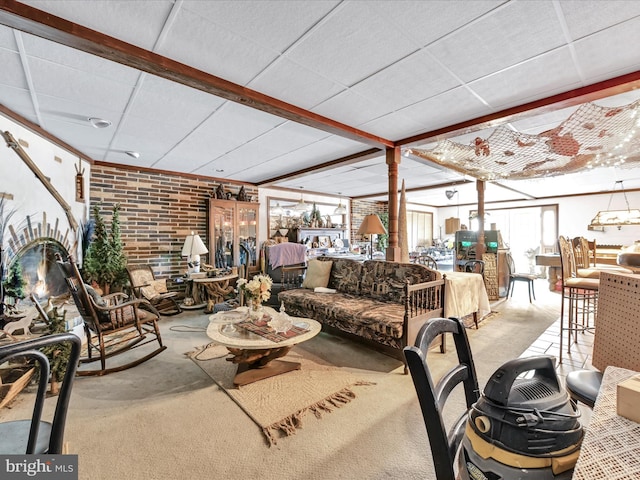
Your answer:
<point x="350" y="108"/>
<point x="64" y="82"/>
<point x="46" y="52"/>
<point x="77" y="114"/>
<point x="11" y="73"/>
<point x="7" y="39"/>
<point x="500" y="39"/>
<point x="136" y="22"/>
<point x="610" y="53"/>
<point x="426" y="22"/>
<point x="348" y="45"/>
<point x="393" y="126"/>
<point x="446" y="109"/>
<point x="160" y="100"/>
<point x="295" y="84"/>
<point x="240" y="123"/>
<point x="536" y="78"/>
<point x="18" y="100"/>
<point x="414" y="78"/>
<point x="275" y="24"/>
<point x="325" y="150"/>
<point x="585" y="17"/>
<point x="234" y="58"/>
<point x="290" y="136"/>
<point x="196" y="153"/>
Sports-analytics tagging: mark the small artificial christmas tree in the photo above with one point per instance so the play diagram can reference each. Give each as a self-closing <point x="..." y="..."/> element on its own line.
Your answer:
<point x="58" y="354"/>
<point x="105" y="262"/>
<point x="14" y="284"/>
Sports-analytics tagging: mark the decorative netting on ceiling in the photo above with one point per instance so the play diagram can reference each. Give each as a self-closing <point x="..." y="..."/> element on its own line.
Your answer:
<point x="591" y="137"/>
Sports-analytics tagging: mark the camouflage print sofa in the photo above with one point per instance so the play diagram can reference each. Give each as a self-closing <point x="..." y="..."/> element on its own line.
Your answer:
<point x="382" y="304"/>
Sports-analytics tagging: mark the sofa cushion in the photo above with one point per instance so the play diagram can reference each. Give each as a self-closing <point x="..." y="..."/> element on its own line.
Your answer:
<point x="345" y="274"/>
<point x="347" y="312"/>
<point x="317" y="274"/>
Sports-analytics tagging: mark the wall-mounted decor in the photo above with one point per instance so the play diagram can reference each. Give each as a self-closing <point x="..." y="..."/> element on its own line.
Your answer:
<point x="79" y="182"/>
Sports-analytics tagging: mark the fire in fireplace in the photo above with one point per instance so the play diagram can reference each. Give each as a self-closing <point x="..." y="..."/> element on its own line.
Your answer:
<point x="39" y="269"/>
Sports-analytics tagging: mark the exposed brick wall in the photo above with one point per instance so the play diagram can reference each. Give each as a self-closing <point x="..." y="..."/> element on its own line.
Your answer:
<point x="359" y="210"/>
<point x="158" y="210"/>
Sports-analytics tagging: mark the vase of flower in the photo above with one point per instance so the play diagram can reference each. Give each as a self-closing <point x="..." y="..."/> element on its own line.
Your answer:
<point x="255" y="309"/>
<point x="256" y="291"/>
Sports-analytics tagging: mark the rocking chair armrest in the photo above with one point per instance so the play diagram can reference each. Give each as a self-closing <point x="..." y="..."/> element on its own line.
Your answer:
<point x="115" y="298"/>
<point x="135" y="304"/>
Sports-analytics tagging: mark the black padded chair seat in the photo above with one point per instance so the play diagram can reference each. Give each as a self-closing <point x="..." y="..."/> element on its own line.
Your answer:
<point x="583" y="386"/>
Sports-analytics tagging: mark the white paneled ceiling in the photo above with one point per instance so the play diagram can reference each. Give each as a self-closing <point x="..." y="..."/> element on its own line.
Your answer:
<point x="329" y="79"/>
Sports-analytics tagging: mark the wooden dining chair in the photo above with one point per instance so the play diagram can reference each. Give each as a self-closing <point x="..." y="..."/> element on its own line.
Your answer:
<point x="579" y="293"/>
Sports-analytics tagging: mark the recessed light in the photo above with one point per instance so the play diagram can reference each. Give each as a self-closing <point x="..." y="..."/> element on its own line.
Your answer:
<point x="219" y="169"/>
<point x="99" y="122"/>
<point x="133" y="154"/>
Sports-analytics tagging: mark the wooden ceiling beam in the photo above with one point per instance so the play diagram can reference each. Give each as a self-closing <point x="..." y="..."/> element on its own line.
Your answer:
<point x="44" y="25"/>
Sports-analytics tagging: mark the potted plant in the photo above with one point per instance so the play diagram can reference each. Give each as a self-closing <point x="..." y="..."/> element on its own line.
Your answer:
<point x="5" y="217"/>
<point x="58" y="354"/>
<point x="105" y="262"/>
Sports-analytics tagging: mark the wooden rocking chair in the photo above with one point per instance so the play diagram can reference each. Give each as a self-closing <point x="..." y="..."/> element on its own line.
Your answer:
<point x="112" y="324"/>
<point x="145" y="285"/>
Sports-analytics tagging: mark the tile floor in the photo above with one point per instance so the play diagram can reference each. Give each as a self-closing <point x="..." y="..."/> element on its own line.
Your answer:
<point x="549" y="343"/>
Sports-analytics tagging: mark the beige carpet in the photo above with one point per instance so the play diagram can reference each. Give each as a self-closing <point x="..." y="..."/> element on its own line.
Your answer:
<point x="278" y="404"/>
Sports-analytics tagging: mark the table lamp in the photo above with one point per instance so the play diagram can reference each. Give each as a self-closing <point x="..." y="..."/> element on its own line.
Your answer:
<point x="192" y="249"/>
<point x="371" y="225"/>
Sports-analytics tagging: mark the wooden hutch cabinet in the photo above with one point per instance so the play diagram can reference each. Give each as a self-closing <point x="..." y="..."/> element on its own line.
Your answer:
<point x="233" y="233"/>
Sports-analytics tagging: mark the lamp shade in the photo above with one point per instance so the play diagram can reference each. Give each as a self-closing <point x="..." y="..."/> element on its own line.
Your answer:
<point x="370" y="225"/>
<point x="193" y="245"/>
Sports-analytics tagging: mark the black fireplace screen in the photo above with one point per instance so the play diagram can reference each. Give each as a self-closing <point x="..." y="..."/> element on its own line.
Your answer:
<point x="41" y="274"/>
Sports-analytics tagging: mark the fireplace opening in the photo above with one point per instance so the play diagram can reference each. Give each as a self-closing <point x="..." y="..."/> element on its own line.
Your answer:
<point x="40" y="271"/>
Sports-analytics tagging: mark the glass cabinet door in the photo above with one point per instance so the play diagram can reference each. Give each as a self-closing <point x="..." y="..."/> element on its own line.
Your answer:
<point x="233" y="233"/>
<point x="223" y="237"/>
<point x="248" y="235"/>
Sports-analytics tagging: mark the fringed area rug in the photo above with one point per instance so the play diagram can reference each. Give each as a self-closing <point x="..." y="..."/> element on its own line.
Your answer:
<point x="278" y="404"/>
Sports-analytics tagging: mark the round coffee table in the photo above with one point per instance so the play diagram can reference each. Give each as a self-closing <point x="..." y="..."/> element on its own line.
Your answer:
<point x="256" y="355"/>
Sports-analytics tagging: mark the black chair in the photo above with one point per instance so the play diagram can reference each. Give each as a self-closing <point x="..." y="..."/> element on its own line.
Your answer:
<point x="36" y="436"/>
<point x="583" y="386"/>
<point x="519" y="277"/>
<point x="444" y="444"/>
<point x="474" y="266"/>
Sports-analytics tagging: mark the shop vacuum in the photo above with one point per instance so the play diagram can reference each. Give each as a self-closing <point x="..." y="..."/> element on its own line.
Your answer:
<point x="521" y="428"/>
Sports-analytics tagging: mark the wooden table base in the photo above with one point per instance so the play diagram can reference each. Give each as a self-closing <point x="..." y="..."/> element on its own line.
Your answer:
<point x="246" y="374"/>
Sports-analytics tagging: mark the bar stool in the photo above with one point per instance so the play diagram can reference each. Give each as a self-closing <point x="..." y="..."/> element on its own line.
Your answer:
<point x="581" y="294"/>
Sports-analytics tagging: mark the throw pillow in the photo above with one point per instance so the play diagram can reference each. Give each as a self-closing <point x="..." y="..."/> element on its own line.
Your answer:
<point x="317" y="274"/>
<point x="149" y="292"/>
<point x="160" y="286"/>
<point x="95" y="296"/>
<point x="154" y="288"/>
